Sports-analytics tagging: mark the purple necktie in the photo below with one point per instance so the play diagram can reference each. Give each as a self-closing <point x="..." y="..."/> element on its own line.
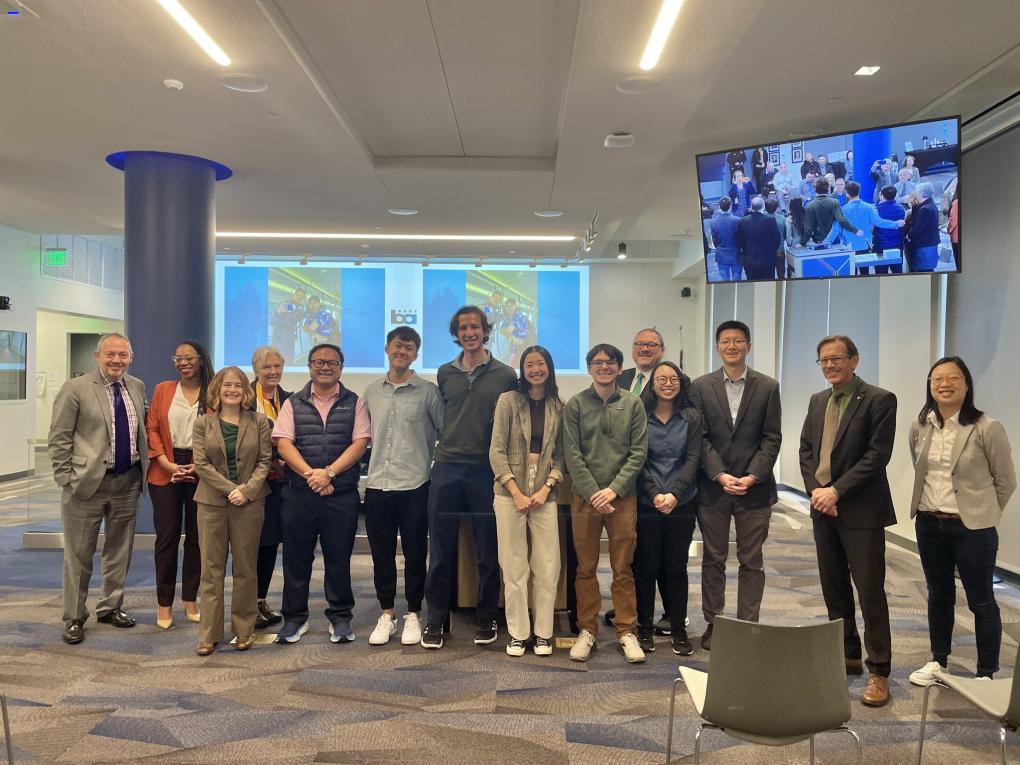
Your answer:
<point x="122" y="433"/>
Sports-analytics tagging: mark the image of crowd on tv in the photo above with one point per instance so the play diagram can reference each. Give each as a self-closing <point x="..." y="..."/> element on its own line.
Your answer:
<point x="829" y="213"/>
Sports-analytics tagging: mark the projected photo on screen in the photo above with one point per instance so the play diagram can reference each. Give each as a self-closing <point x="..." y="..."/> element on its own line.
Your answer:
<point x="294" y="307"/>
<point x="873" y="202"/>
<point x="13" y="365"/>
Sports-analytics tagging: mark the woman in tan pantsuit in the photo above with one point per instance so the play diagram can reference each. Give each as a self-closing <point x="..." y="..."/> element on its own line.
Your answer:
<point x="233" y="452"/>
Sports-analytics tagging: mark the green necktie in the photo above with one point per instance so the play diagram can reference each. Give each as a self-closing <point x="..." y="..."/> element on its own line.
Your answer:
<point x="639" y="383"/>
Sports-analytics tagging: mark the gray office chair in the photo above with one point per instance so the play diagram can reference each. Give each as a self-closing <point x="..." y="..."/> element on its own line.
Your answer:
<point x="769" y="685"/>
<point x="999" y="699"/>
<point x="7" y="730"/>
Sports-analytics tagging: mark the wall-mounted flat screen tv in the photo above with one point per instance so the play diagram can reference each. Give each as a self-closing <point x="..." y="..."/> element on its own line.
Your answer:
<point x="871" y="202"/>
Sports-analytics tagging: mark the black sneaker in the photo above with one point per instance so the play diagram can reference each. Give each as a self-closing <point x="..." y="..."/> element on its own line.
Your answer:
<point x="645" y="638"/>
<point x="266" y="617"/>
<point x="681" y="645"/>
<point x="706" y="639"/>
<point x="664" y="626"/>
<point x="432" y="636"/>
<point x="486" y="634"/>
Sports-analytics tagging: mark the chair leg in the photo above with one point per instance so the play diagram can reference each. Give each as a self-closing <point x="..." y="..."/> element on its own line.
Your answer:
<point x="860" y="746"/>
<point x="811" y="749"/>
<point x="7" y="730"/>
<point x="1002" y="743"/>
<point x="669" y="731"/>
<point x="924" y="718"/>
<point x="697" y="744"/>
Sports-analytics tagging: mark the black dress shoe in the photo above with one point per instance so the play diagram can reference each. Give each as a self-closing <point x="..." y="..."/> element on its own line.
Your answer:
<point x="609" y="617"/>
<point x="118" y="618"/>
<point x="74" y="632"/>
<point x="267" y="617"/>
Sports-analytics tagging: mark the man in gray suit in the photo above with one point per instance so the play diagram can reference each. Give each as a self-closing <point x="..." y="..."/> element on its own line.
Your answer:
<point x="742" y="417"/>
<point x="100" y="457"/>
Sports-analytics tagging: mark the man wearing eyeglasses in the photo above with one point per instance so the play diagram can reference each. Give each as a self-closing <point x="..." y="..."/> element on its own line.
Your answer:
<point x="646" y="350"/>
<point x="845" y="445"/>
<point x="321" y="433"/>
<point x="741" y="412"/>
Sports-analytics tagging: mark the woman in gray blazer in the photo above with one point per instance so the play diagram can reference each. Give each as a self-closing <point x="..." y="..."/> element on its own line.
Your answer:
<point x="963" y="478"/>
<point x="526" y="454"/>
<point x="233" y="451"/>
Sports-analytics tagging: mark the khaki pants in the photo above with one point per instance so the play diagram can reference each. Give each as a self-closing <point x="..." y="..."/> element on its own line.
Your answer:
<point x="542" y="567"/>
<point x="621" y="528"/>
<point x="236" y="529"/>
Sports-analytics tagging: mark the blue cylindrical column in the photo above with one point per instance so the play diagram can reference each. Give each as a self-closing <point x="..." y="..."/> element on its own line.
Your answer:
<point x="169" y="254"/>
<point x="869" y="145"/>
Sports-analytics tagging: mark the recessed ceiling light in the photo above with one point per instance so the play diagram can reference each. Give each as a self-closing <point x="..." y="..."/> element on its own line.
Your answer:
<point x="243" y="83"/>
<point x="834" y="99"/>
<point x="194" y="29"/>
<point x="513" y="252"/>
<point x="619" y="140"/>
<point x="660" y="33"/>
<point x="402" y="211"/>
<point x="378" y="228"/>
<point x="638" y="85"/>
<point x="548" y="213"/>
<point x="394" y="237"/>
<point x="364" y="246"/>
<point x="171" y="84"/>
<point x="273" y="115"/>
<point x="867" y="71"/>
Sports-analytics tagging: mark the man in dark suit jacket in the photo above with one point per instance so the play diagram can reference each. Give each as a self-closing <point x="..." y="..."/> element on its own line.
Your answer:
<point x="742" y="419"/>
<point x="646" y="350"/>
<point x="845" y="446"/>
<point x="758" y="242"/>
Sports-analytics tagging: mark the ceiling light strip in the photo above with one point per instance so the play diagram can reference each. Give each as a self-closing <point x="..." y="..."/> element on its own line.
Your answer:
<point x="391" y="237"/>
<point x="194" y="29"/>
<point x="660" y="33"/>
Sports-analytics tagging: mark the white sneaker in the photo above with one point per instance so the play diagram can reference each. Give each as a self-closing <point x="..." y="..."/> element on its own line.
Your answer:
<point x="581" y="649"/>
<point x="515" y="647"/>
<point x="632" y="648"/>
<point x="412" y="630"/>
<point x="926" y="674"/>
<point x="385" y="628"/>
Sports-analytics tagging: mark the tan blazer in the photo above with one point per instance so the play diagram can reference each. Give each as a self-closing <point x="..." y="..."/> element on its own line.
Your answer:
<point x="79" y="437"/>
<point x="981" y="469"/>
<point x="253" y="452"/>
<point x="511" y="433"/>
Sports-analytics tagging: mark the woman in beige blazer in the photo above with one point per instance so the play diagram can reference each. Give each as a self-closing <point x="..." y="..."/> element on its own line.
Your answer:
<point x="232" y="452"/>
<point x="963" y="478"/>
<point x="526" y="454"/>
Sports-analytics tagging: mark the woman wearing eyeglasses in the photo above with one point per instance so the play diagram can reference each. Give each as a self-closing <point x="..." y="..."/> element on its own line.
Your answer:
<point x="233" y="453"/>
<point x="963" y="478"/>
<point x="169" y="425"/>
<point x="666" y="507"/>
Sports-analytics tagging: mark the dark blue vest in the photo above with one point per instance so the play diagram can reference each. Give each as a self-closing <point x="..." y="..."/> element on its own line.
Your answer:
<point x="320" y="446"/>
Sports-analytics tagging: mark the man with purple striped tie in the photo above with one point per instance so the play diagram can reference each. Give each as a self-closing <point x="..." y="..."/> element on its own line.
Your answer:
<point x="100" y="457"/>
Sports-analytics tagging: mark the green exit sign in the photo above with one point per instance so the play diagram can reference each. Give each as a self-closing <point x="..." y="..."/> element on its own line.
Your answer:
<point x="56" y="256"/>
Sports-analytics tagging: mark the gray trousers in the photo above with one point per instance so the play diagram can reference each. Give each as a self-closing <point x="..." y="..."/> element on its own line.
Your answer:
<point x="116" y="503"/>
<point x="752" y="526"/>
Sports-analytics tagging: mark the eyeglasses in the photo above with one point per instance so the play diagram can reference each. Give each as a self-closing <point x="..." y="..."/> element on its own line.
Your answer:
<point x="667" y="380"/>
<point x="603" y="363"/>
<point x="951" y="379"/>
<point x="650" y="346"/>
<point x="738" y="343"/>
<point x="832" y="360"/>
<point x="320" y="364"/>
<point x="183" y="359"/>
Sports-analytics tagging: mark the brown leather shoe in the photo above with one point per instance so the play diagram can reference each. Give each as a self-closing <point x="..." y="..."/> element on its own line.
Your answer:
<point x="854" y="667"/>
<point x="243" y="644"/>
<point x="877" y="692"/>
<point x="204" y="649"/>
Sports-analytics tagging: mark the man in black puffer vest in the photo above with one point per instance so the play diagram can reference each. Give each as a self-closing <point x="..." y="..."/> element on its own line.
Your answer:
<point x="321" y="434"/>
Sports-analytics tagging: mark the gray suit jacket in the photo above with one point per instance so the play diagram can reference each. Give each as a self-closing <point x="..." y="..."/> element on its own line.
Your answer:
<point x="748" y="446"/>
<point x="253" y="453"/>
<point x="80" y="432"/>
<point x="981" y="470"/>
<point x="511" y="433"/>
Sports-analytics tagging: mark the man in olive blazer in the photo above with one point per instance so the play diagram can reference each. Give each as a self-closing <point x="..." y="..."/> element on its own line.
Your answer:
<point x="743" y="432"/>
<point x="101" y="471"/>
<point x="851" y="504"/>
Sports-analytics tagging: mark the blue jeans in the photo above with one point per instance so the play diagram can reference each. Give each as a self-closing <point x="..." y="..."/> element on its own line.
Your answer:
<point x="946" y="546"/>
<point x="729" y="272"/>
<point x="461" y="491"/>
<point x="307" y="518"/>
<point x="924" y="258"/>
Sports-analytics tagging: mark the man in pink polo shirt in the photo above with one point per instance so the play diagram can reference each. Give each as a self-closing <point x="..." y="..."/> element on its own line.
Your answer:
<point x="321" y="434"/>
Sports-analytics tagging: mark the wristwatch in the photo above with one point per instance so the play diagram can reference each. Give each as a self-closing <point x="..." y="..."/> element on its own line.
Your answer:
<point x="550" y="483"/>
<point x="330" y="472"/>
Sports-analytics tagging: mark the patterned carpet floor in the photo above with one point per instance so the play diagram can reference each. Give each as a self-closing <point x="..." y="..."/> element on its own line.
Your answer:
<point x="142" y="695"/>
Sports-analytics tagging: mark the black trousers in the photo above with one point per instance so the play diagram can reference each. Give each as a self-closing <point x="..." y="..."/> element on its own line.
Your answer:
<point x="386" y="514"/>
<point x="332" y="522"/>
<point x="173" y="507"/>
<point x="269" y="542"/>
<point x="846" y="554"/>
<point x="663" y="541"/>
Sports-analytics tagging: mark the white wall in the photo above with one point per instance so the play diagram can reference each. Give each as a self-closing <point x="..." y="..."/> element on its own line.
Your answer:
<point x="30" y="292"/>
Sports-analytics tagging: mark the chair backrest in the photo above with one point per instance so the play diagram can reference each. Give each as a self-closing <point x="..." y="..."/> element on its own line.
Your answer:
<point x="777" y="681"/>
<point x="1013" y="710"/>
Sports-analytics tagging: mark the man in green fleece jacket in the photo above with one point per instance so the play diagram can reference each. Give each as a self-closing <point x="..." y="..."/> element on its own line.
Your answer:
<point x="605" y="442"/>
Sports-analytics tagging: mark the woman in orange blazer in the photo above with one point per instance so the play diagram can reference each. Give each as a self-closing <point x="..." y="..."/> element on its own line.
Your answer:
<point x="233" y="452"/>
<point x="169" y="425"/>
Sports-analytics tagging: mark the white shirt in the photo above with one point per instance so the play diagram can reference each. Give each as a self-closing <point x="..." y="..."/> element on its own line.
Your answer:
<point x="182" y="417"/>
<point x="937" y="493"/>
<point x="734" y="392"/>
<point x="643" y="377"/>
